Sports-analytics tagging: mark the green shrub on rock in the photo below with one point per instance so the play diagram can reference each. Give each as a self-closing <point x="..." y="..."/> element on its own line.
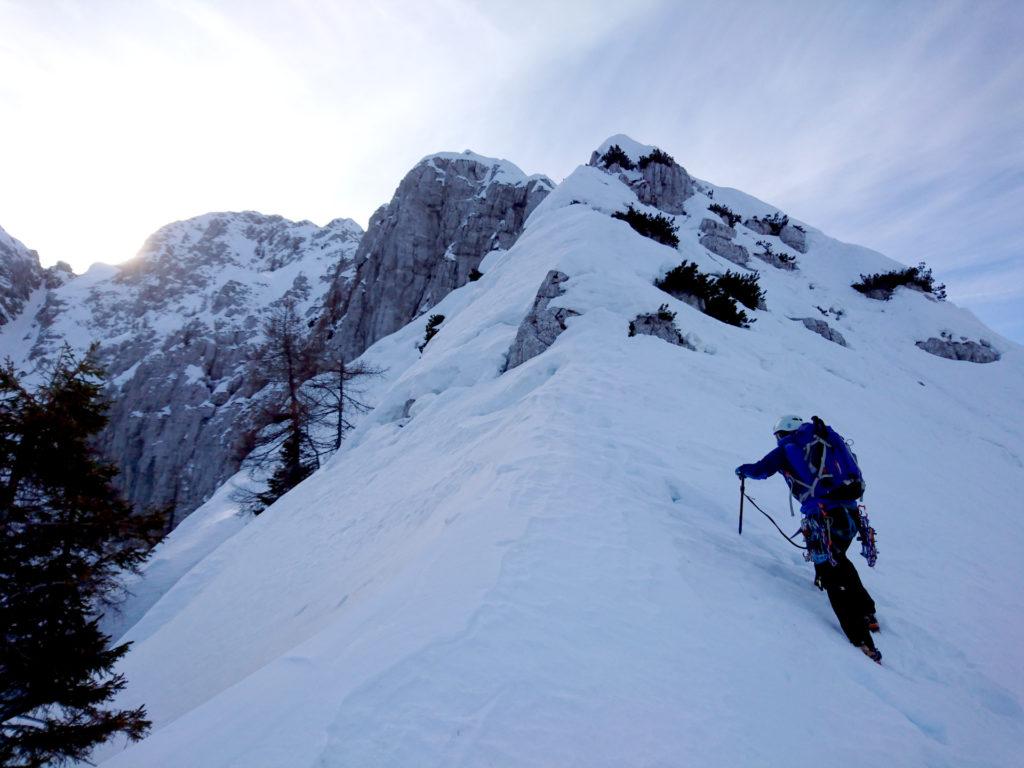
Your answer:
<point x="726" y="214"/>
<point x="744" y="288"/>
<point x="616" y="155"/>
<point x="716" y="296"/>
<point x="882" y="285"/>
<point x="686" y="279"/>
<point x="655" y="226"/>
<point x="433" y="325"/>
<point x="656" y="156"/>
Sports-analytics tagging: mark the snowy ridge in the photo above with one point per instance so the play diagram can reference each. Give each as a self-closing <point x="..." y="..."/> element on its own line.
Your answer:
<point x="541" y="567"/>
<point x="634" y="149"/>
<point x="499" y="171"/>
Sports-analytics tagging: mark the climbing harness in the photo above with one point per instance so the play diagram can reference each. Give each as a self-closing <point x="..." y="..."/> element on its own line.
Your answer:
<point x="818" y="532"/>
<point x="818" y="535"/>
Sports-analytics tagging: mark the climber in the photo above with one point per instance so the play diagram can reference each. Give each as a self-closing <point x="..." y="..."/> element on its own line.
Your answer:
<point x="822" y="473"/>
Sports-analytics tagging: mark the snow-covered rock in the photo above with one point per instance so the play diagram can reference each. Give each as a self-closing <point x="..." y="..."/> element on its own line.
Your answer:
<point x="661" y="185"/>
<point x="20" y="275"/>
<point x="777" y="259"/>
<point x="727" y="249"/>
<point x="971" y="351"/>
<point x="447" y="213"/>
<point x="715" y="227"/>
<point x="666" y="187"/>
<point x="542" y="325"/>
<point x="661" y="325"/>
<point x="823" y="329"/>
<point x="794" y="236"/>
<point x="755" y="224"/>
<point x="176" y="326"/>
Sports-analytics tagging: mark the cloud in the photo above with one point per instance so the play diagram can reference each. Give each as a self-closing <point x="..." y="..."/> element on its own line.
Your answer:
<point x="898" y="126"/>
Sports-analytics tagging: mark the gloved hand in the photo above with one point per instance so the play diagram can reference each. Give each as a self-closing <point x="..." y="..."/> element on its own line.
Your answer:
<point x="741" y="471"/>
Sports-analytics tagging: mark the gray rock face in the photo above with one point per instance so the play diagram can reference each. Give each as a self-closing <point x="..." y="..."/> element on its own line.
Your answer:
<point x="176" y="327"/>
<point x="20" y="275"/>
<point x="542" y="325"/>
<point x="777" y="260"/>
<point x="880" y="294"/>
<point x="727" y="249"/>
<point x="660" y="325"/>
<point x="970" y="351"/>
<point x="794" y="238"/>
<point x="716" y="228"/>
<point x="790" y="234"/>
<point x="446" y="215"/>
<point x="666" y="187"/>
<point x="756" y="225"/>
<point x="57" y="275"/>
<point x="823" y="329"/>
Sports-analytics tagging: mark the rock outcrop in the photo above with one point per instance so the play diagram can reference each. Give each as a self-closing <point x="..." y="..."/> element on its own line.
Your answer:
<point x="727" y="249"/>
<point x="967" y="350"/>
<point x="795" y="237"/>
<point x="716" y="228"/>
<point x="666" y="186"/>
<point x="823" y="329"/>
<point x="20" y="275"/>
<point x="754" y="224"/>
<point x="718" y="238"/>
<point x="446" y="215"/>
<point x="779" y="225"/>
<point x="660" y="324"/>
<point x="775" y="258"/>
<point x="543" y="324"/>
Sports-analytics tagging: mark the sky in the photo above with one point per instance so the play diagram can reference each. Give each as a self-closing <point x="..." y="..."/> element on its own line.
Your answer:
<point x="898" y="126"/>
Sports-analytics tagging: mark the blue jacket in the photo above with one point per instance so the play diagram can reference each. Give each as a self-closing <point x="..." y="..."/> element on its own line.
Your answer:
<point x="777" y="461"/>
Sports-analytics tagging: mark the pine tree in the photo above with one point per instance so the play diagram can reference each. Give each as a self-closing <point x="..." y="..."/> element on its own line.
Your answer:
<point x="306" y="406"/>
<point x="66" y="536"/>
<point x="279" y="442"/>
<point x="294" y="465"/>
<point x="333" y="396"/>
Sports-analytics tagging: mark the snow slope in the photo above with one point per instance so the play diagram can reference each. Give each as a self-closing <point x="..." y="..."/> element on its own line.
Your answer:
<point x="541" y="567"/>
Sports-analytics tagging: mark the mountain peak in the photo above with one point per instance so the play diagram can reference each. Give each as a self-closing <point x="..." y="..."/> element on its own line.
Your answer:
<point x="634" y="149"/>
<point x="20" y="275"/>
<point x="488" y="169"/>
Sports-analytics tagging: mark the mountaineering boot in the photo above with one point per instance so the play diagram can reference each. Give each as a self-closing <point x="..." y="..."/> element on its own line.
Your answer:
<point x="872" y="622"/>
<point x="872" y="653"/>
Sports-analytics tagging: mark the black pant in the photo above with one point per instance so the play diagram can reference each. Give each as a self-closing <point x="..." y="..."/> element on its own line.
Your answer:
<point x="849" y="599"/>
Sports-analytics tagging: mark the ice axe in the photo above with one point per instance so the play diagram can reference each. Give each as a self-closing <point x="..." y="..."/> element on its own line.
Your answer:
<point x="743" y="494"/>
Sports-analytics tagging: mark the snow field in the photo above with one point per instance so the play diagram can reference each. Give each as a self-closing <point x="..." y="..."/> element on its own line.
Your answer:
<point x="542" y="567"/>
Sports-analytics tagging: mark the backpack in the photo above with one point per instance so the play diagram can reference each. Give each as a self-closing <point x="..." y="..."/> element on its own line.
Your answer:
<point x="822" y="464"/>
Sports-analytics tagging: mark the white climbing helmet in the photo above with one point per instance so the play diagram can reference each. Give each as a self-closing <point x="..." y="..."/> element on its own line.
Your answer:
<point x="787" y="424"/>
